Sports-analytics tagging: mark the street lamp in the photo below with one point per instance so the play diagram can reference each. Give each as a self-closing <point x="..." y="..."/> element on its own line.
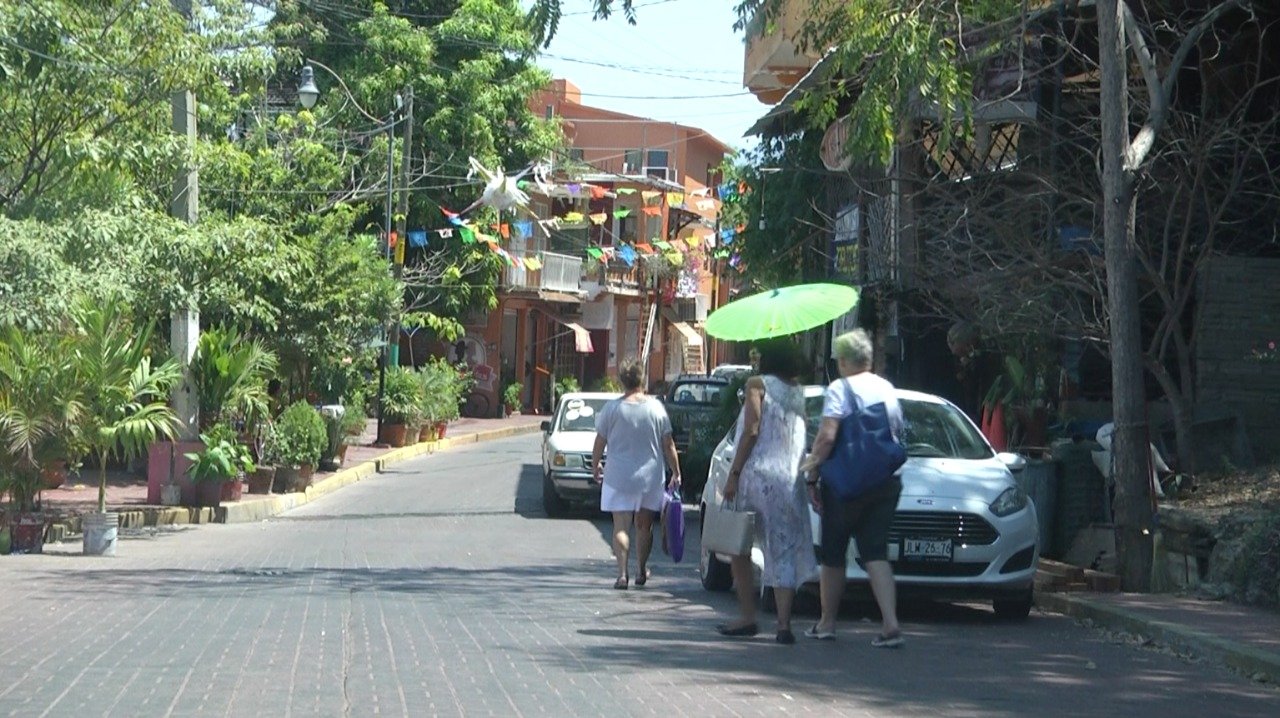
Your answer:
<point x="308" y="94"/>
<point x="764" y="175"/>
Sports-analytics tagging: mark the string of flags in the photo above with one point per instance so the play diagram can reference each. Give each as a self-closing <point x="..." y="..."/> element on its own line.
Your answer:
<point x="699" y="241"/>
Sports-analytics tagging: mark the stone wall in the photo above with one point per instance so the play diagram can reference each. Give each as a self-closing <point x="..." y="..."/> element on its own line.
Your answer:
<point x="1239" y="313"/>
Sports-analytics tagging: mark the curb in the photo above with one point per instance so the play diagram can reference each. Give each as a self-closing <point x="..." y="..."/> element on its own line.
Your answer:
<point x="1254" y="662"/>
<point x="265" y="507"/>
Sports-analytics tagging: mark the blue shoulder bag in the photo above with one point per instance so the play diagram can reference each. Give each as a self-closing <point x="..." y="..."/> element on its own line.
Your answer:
<point x="865" y="455"/>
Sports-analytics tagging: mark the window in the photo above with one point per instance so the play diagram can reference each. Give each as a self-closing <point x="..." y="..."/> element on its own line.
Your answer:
<point x="627" y="228"/>
<point x="631" y="162"/>
<point x="656" y="158"/>
<point x="551" y="111"/>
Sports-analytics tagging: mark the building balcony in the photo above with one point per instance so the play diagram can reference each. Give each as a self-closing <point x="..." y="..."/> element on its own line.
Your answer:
<point x="773" y="62"/>
<point x="614" y="278"/>
<point x="558" y="273"/>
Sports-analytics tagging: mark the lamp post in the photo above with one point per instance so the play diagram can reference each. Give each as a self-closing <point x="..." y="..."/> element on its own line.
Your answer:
<point x="308" y="94"/>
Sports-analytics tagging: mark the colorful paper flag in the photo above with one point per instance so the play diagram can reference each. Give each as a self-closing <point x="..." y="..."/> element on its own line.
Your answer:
<point x="620" y="213"/>
<point x="652" y="210"/>
<point x="505" y="231"/>
<point x="598" y="192"/>
<point x="524" y="228"/>
<point x="706" y="205"/>
<point x="627" y="254"/>
<point x="598" y="218"/>
<point x="444" y="233"/>
<point x="664" y="246"/>
<point x="468" y="235"/>
<point x="574" y="217"/>
<point x="417" y="238"/>
<point x="675" y="199"/>
<point x="649" y="196"/>
<point x="625" y="190"/>
<point x="675" y="258"/>
<point x="644" y="248"/>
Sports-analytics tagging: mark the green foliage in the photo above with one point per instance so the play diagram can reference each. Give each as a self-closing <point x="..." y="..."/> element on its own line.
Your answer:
<point x="511" y="395"/>
<point x="353" y="421"/>
<point x="609" y="384"/>
<point x="298" y="436"/>
<point x="402" y="396"/>
<point x="443" y="387"/>
<point x="566" y="385"/>
<point x="231" y="375"/>
<point x="223" y="457"/>
<point x="40" y="406"/>
<point x="124" y="396"/>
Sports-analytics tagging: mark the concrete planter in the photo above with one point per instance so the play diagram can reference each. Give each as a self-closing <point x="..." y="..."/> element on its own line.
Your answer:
<point x="261" y="479"/>
<point x="26" y="533"/>
<point x="208" y="493"/>
<point x="100" y="533"/>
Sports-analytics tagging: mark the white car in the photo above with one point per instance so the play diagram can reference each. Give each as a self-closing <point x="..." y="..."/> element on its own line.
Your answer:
<point x="729" y="371"/>
<point x="963" y="528"/>
<point x="567" y="441"/>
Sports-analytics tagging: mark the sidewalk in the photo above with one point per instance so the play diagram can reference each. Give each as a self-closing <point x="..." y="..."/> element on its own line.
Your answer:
<point x="127" y="494"/>
<point x="1242" y="637"/>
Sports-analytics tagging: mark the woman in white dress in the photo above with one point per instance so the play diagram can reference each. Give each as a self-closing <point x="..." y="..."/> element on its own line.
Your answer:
<point x="766" y="465"/>
<point x="637" y="432"/>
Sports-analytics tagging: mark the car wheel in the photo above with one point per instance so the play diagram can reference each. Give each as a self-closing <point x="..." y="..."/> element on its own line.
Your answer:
<point x="552" y="503"/>
<point x="1013" y="608"/>
<point x="714" y="573"/>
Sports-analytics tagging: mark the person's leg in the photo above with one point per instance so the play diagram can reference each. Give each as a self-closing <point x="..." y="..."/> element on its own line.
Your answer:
<point x="783" y="598"/>
<point x="883" y="588"/>
<point x="644" y="544"/>
<point x="831" y="588"/>
<point x="622" y="541"/>
<point x="744" y="587"/>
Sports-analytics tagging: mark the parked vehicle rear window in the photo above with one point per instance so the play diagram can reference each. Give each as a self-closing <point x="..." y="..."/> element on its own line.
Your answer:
<point x="698" y="393"/>
<point x="580" y="414"/>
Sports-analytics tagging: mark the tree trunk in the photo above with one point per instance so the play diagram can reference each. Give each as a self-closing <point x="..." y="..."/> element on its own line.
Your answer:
<point x="1133" y="510"/>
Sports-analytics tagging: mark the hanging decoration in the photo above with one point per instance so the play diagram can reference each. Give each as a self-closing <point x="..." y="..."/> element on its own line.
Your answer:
<point x="524" y="228"/>
<point x="574" y="217"/>
<point x="652" y="210"/>
<point x="445" y="233"/>
<point x="675" y="199"/>
<point x="621" y="213"/>
<point x="628" y="255"/>
<point x="417" y="238"/>
<point x="598" y="218"/>
<point x="649" y="196"/>
<point x="625" y="191"/>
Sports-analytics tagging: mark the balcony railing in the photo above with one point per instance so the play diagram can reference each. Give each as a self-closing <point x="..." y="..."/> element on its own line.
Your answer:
<point x="559" y="273"/>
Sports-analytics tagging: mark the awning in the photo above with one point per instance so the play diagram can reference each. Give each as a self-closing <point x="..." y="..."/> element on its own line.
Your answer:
<point x="581" y="337"/>
<point x="552" y="296"/>
<point x="691" y="336"/>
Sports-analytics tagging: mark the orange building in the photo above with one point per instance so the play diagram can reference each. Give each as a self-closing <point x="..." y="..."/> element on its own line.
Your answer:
<point x="621" y="263"/>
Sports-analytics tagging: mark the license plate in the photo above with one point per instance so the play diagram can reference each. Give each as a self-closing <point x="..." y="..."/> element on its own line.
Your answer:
<point x="926" y="549"/>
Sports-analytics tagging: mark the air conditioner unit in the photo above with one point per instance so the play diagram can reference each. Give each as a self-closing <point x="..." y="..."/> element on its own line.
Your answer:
<point x="665" y="173"/>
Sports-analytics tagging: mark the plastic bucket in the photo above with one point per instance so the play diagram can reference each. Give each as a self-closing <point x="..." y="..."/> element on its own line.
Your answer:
<point x="100" y="533"/>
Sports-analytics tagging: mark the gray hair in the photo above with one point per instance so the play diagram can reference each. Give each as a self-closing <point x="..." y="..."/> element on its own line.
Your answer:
<point x="631" y="375"/>
<point x="853" y="347"/>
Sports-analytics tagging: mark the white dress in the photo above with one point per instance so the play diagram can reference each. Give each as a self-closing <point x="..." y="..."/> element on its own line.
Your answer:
<point x="635" y="469"/>
<point x="770" y="486"/>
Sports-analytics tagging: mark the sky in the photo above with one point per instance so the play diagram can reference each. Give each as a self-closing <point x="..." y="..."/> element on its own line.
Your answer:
<point x="677" y="49"/>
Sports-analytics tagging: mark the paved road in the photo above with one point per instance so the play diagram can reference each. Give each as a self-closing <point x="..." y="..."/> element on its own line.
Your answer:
<point x="441" y="589"/>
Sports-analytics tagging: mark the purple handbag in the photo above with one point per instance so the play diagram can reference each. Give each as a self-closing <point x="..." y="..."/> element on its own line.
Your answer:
<point x="673" y="525"/>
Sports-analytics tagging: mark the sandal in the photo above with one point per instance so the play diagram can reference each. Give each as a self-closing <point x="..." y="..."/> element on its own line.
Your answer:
<point x="893" y="640"/>
<point x="643" y="578"/>
<point x="621" y="583"/>
<point x="819" y="635"/>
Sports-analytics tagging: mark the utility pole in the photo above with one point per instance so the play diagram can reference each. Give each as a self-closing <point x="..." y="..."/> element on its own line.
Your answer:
<point x="184" y="324"/>
<point x="402" y="223"/>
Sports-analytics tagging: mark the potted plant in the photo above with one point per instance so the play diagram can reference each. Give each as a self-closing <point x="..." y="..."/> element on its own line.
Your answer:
<point x="353" y="425"/>
<point x="39" y="404"/>
<point x="124" y="400"/>
<point x="261" y="479"/>
<point x="297" y="441"/>
<point x="565" y="385"/>
<point x="401" y="405"/>
<point x="222" y="462"/>
<point x="459" y="383"/>
<point x="511" y="397"/>
<point x="231" y="375"/>
<point x="433" y="385"/>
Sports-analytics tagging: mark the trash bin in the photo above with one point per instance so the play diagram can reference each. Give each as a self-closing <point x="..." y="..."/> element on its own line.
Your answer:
<point x="1081" y="492"/>
<point x="1039" y="480"/>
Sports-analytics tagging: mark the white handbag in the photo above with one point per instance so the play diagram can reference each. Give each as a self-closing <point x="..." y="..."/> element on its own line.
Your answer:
<point x="727" y="530"/>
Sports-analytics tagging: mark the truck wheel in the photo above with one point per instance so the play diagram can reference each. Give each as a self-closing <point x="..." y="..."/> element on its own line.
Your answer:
<point x="552" y="503"/>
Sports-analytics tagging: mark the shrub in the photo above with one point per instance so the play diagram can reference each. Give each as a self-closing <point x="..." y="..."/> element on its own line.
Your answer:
<point x="609" y="384"/>
<point x="511" y="395"/>
<point x="223" y="457"/>
<point x="299" y="436"/>
<point x="1257" y="574"/>
<point x="402" y="396"/>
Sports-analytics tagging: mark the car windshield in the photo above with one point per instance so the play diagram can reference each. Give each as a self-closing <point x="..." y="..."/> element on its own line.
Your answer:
<point x="697" y="393"/>
<point x="579" y="414"/>
<point x="940" y="431"/>
<point x="932" y="430"/>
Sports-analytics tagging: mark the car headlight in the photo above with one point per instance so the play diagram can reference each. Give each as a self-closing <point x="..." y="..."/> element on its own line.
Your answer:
<point x="1010" y="501"/>
<point x="567" y="461"/>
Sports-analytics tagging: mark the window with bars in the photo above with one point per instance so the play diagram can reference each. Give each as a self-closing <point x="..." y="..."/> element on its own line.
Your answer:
<point x="991" y="148"/>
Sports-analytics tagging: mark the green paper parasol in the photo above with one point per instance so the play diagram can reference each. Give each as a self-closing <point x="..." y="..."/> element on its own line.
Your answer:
<point x="779" y="312"/>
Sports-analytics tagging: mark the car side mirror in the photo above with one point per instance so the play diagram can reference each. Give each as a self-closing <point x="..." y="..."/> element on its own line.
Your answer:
<point x="546" y="427"/>
<point x="1015" y="462"/>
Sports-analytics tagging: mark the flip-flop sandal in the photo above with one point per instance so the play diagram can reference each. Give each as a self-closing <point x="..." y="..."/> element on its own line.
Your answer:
<point x="620" y="584"/>
<point x="816" y="634"/>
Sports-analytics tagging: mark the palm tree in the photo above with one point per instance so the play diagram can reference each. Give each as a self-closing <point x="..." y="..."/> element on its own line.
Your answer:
<point x="39" y="409"/>
<point x="231" y="375"/>
<point x="124" y="396"/>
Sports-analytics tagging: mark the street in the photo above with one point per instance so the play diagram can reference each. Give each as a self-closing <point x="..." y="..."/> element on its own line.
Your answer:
<point x="440" y="588"/>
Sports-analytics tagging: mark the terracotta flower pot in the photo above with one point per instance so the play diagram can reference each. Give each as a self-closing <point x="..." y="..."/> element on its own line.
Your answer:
<point x="395" y="434"/>
<point x="55" y="474"/>
<point x="342" y="453"/>
<point x="260" y="480"/>
<point x="303" y="478"/>
<point x="232" y="490"/>
<point x="440" y="429"/>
